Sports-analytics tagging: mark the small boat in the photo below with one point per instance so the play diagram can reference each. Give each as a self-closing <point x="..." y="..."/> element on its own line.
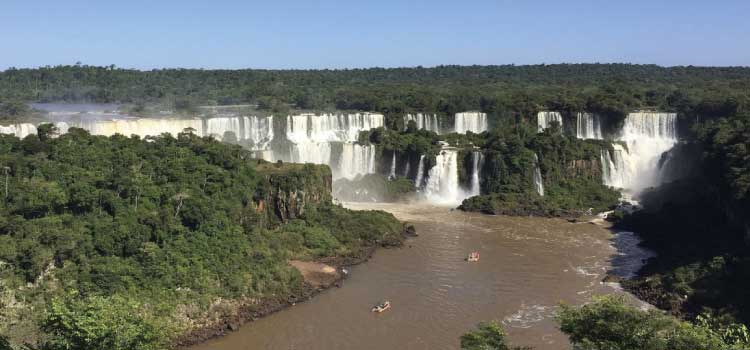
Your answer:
<point x="382" y="307"/>
<point x="473" y="257"/>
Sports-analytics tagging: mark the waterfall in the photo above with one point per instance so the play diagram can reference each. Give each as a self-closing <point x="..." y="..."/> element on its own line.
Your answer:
<point x="647" y="136"/>
<point x="259" y="130"/>
<point x="138" y="126"/>
<point x="330" y="127"/>
<point x="614" y="170"/>
<point x="588" y="126"/>
<point x="217" y="127"/>
<point x="428" y="122"/>
<point x="538" y="181"/>
<point x="442" y="180"/>
<point x="20" y="130"/>
<point x="476" y="160"/>
<point x="392" y="174"/>
<point x="407" y="168"/>
<point x="420" y="173"/>
<point x="356" y="160"/>
<point x="608" y="168"/>
<point x="311" y="137"/>
<point x="311" y="152"/>
<point x="62" y="127"/>
<point x="544" y="119"/>
<point x="475" y="122"/>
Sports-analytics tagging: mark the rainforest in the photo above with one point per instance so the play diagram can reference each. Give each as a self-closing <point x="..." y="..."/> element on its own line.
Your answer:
<point x="158" y="209"/>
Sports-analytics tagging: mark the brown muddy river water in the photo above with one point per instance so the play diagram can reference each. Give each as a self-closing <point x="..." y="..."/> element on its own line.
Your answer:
<point x="527" y="267"/>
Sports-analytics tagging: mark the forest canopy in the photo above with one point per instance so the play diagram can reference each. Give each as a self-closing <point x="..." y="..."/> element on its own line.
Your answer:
<point x="503" y="91"/>
<point x="142" y="236"/>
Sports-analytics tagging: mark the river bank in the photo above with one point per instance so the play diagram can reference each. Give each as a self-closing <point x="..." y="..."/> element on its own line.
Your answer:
<point x="528" y="266"/>
<point x="253" y="309"/>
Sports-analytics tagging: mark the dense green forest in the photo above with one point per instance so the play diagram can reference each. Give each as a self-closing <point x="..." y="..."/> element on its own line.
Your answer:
<point x="700" y="228"/>
<point x="571" y="168"/>
<point x="507" y="93"/>
<point x="125" y="243"/>
<point x="610" y="323"/>
<point x="104" y="248"/>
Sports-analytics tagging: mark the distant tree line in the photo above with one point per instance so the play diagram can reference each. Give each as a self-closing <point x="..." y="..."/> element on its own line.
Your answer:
<point x="507" y="93"/>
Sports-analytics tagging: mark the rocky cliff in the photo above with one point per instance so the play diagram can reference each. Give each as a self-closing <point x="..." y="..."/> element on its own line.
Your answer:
<point x="289" y="188"/>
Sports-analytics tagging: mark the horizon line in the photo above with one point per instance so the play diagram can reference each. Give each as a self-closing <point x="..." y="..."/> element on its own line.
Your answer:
<point x="116" y="67"/>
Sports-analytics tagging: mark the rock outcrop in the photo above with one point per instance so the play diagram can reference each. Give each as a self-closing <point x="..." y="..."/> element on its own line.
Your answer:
<point x="289" y="188"/>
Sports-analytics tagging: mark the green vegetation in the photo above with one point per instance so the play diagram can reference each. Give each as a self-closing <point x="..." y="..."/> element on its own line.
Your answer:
<point x="571" y="168"/>
<point x="508" y="94"/>
<point x="13" y="110"/>
<point x="124" y="243"/>
<point x="165" y="226"/>
<point x="698" y="226"/>
<point x="487" y="336"/>
<point x="99" y="322"/>
<point x="610" y="324"/>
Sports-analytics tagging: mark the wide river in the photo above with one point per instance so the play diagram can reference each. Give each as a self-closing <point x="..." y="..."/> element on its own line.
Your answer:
<point x="527" y="267"/>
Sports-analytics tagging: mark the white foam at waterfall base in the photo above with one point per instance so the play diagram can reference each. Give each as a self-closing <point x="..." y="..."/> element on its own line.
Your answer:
<point x="475" y="122"/>
<point x="356" y="160"/>
<point x="647" y="135"/>
<point x="442" y="185"/>
<point x="544" y="119"/>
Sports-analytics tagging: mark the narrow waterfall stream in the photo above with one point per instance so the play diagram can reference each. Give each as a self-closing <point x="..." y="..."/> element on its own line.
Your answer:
<point x="538" y="180"/>
<point x="476" y="162"/>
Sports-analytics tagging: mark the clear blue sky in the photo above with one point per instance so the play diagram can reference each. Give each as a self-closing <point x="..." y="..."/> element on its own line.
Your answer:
<point x="385" y="33"/>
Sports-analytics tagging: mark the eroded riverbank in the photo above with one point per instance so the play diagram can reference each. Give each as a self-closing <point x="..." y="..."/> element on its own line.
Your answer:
<point x="528" y="266"/>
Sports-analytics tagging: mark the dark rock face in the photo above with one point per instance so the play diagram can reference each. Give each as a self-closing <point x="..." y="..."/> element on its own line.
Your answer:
<point x="589" y="169"/>
<point x="289" y="188"/>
